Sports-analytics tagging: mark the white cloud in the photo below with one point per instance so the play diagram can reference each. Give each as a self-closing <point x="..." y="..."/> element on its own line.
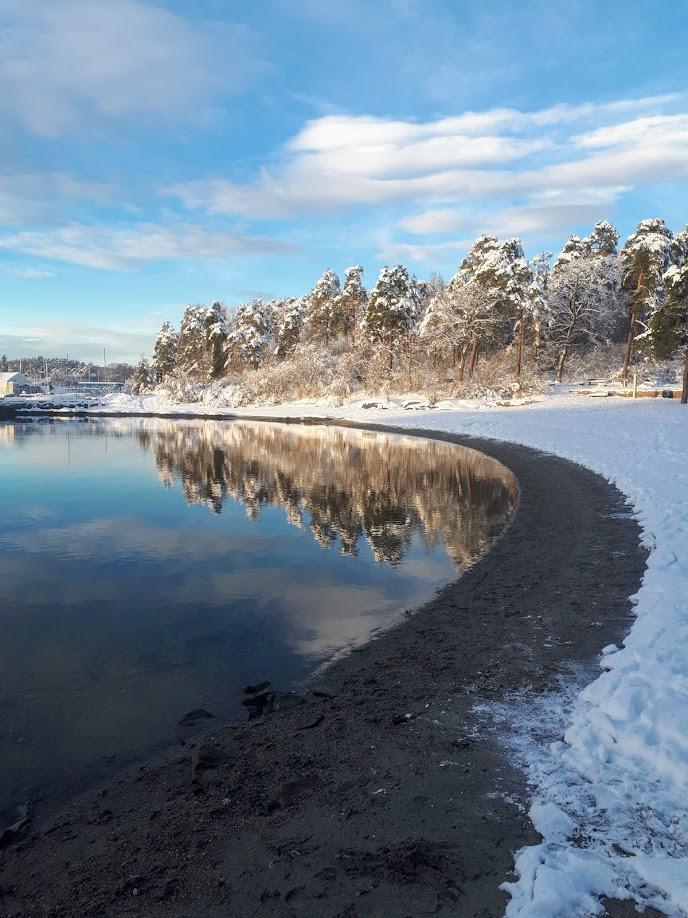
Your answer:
<point x="80" y="62"/>
<point x="122" y="247"/>
<point x="644" y="131"/>
<point x="436" y="252"/>
<point x="339" y="161"/>
<point x="546" y="216"/>
<point x="25" y="273"/>
<point x="432" y="222"/>
<point x="30" y="196"/>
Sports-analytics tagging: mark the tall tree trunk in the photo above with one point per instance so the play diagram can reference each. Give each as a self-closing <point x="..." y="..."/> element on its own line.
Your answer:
<point x="562" y="361"/>
<point x="632" y="321"/>
<point x="684" y="391"/>
<point x="391" y="351"/>
<point x="536" y="343"/>
<point x="462" y="363"/>
<point x="474" y="358"/>
<point x="519" y="345"/>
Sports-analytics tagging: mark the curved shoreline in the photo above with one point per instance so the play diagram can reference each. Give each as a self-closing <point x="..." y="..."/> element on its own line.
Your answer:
<point x="342" y="804"/>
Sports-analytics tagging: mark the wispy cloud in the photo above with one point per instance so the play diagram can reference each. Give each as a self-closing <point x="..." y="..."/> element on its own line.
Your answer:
<point x="30" y="196"/>
<point x="340" y="161"/>
<point x="78" y="63"/>
<point x="23" y="273"/>
<point x="123" y="247"/>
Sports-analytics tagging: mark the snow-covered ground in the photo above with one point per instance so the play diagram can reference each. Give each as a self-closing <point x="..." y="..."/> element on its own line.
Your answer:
<point x="610" y="792"/>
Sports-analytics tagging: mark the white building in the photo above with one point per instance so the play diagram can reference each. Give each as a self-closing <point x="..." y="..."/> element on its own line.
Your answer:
<point x="16" y="384"/>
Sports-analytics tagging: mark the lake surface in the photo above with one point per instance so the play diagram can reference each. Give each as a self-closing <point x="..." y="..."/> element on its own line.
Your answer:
<point x="150" y="567"/>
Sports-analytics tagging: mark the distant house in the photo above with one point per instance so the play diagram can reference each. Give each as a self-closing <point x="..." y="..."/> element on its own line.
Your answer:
<point x="16" y="384"/>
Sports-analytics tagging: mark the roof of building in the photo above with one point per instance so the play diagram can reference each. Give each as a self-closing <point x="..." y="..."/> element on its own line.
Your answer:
<point x="15" y="377"/>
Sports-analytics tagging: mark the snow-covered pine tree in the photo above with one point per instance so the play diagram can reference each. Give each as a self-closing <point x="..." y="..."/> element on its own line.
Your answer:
<point x="289" y="317"/>
<point x="669" y="322"/>
<point x="645" y="258"/>
<point x="602" y="240"/>
<point x="165" y="353"/>
<point x="141" y="379"/>
<point x="392" y="308"/>
<point x="679" y="249"/>
<point x="504" y="273"/>
<point x="574" y="247"/>
<point x="192" y="355"/>
<point x="583" y="299"/>
<point x="250" y="334"/>
<point x="320" y="325"/>
<point x="351" y="302"/>
<point x="216" y="325"/>
<point x="538" y="296"/>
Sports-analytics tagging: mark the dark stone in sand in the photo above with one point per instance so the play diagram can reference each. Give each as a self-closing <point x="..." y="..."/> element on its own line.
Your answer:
<point x="11" y="833"/>
<point x="258" y="687"/>
<point x="268" y="702"/>
<point x="194" y="716"/>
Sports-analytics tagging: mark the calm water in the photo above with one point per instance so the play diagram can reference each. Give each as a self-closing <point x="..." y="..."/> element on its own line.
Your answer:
<point x="149" y="567"/>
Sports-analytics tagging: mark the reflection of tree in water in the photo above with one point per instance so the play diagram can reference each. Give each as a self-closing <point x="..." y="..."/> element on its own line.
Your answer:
<point x="341" y="484"/>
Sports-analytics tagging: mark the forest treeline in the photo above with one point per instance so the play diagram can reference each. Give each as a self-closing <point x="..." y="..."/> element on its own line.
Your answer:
<point x="531" y="316"/>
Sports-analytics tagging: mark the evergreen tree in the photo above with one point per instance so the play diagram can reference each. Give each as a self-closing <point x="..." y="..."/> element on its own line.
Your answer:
<point x="538" y="296"/>
<point x="351" y="302"/>
<point x="669" y="323"/>
<point x="289" y="318"/>
<point x="142" y="380"/>
<point x="602" y="240"/>
<point x="574" y="247"/>
<point x="216" y="328"/>
<point x="250" y="334"/>
<point x="392" y="308"/>
<point x="503" y="272"/>
<point x="320" y="322"/>
<point x="165" y="353"/>
<point x="3" y="363"/>
<point x="192" y="355"/>
<point x="645" y="258"/>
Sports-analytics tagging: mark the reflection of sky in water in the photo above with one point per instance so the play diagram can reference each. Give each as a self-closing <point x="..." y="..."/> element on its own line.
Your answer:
<point x="124" y="604"/>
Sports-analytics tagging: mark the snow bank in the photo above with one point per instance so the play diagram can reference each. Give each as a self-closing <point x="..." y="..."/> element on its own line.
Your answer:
<point x="610" y="788"/>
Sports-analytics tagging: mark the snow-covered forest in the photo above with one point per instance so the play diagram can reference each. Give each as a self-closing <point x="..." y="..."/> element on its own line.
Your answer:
<point x="503" y="323"/>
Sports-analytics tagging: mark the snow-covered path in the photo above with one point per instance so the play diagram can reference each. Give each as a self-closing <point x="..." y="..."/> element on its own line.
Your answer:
<point x="611" y="799"/>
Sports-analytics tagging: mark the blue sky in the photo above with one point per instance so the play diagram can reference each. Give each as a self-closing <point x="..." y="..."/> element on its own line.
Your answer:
<point x="157" y="154"/>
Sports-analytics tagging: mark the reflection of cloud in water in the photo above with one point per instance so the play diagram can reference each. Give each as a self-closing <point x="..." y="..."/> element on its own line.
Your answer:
<point x="131" y="538"/>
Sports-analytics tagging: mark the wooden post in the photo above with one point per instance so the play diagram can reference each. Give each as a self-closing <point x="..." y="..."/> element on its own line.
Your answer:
<point x="635" y="385"/>
<point x="684" y="390"/>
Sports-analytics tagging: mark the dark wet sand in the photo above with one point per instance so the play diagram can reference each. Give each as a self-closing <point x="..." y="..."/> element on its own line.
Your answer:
<point x="378" y="792"/>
